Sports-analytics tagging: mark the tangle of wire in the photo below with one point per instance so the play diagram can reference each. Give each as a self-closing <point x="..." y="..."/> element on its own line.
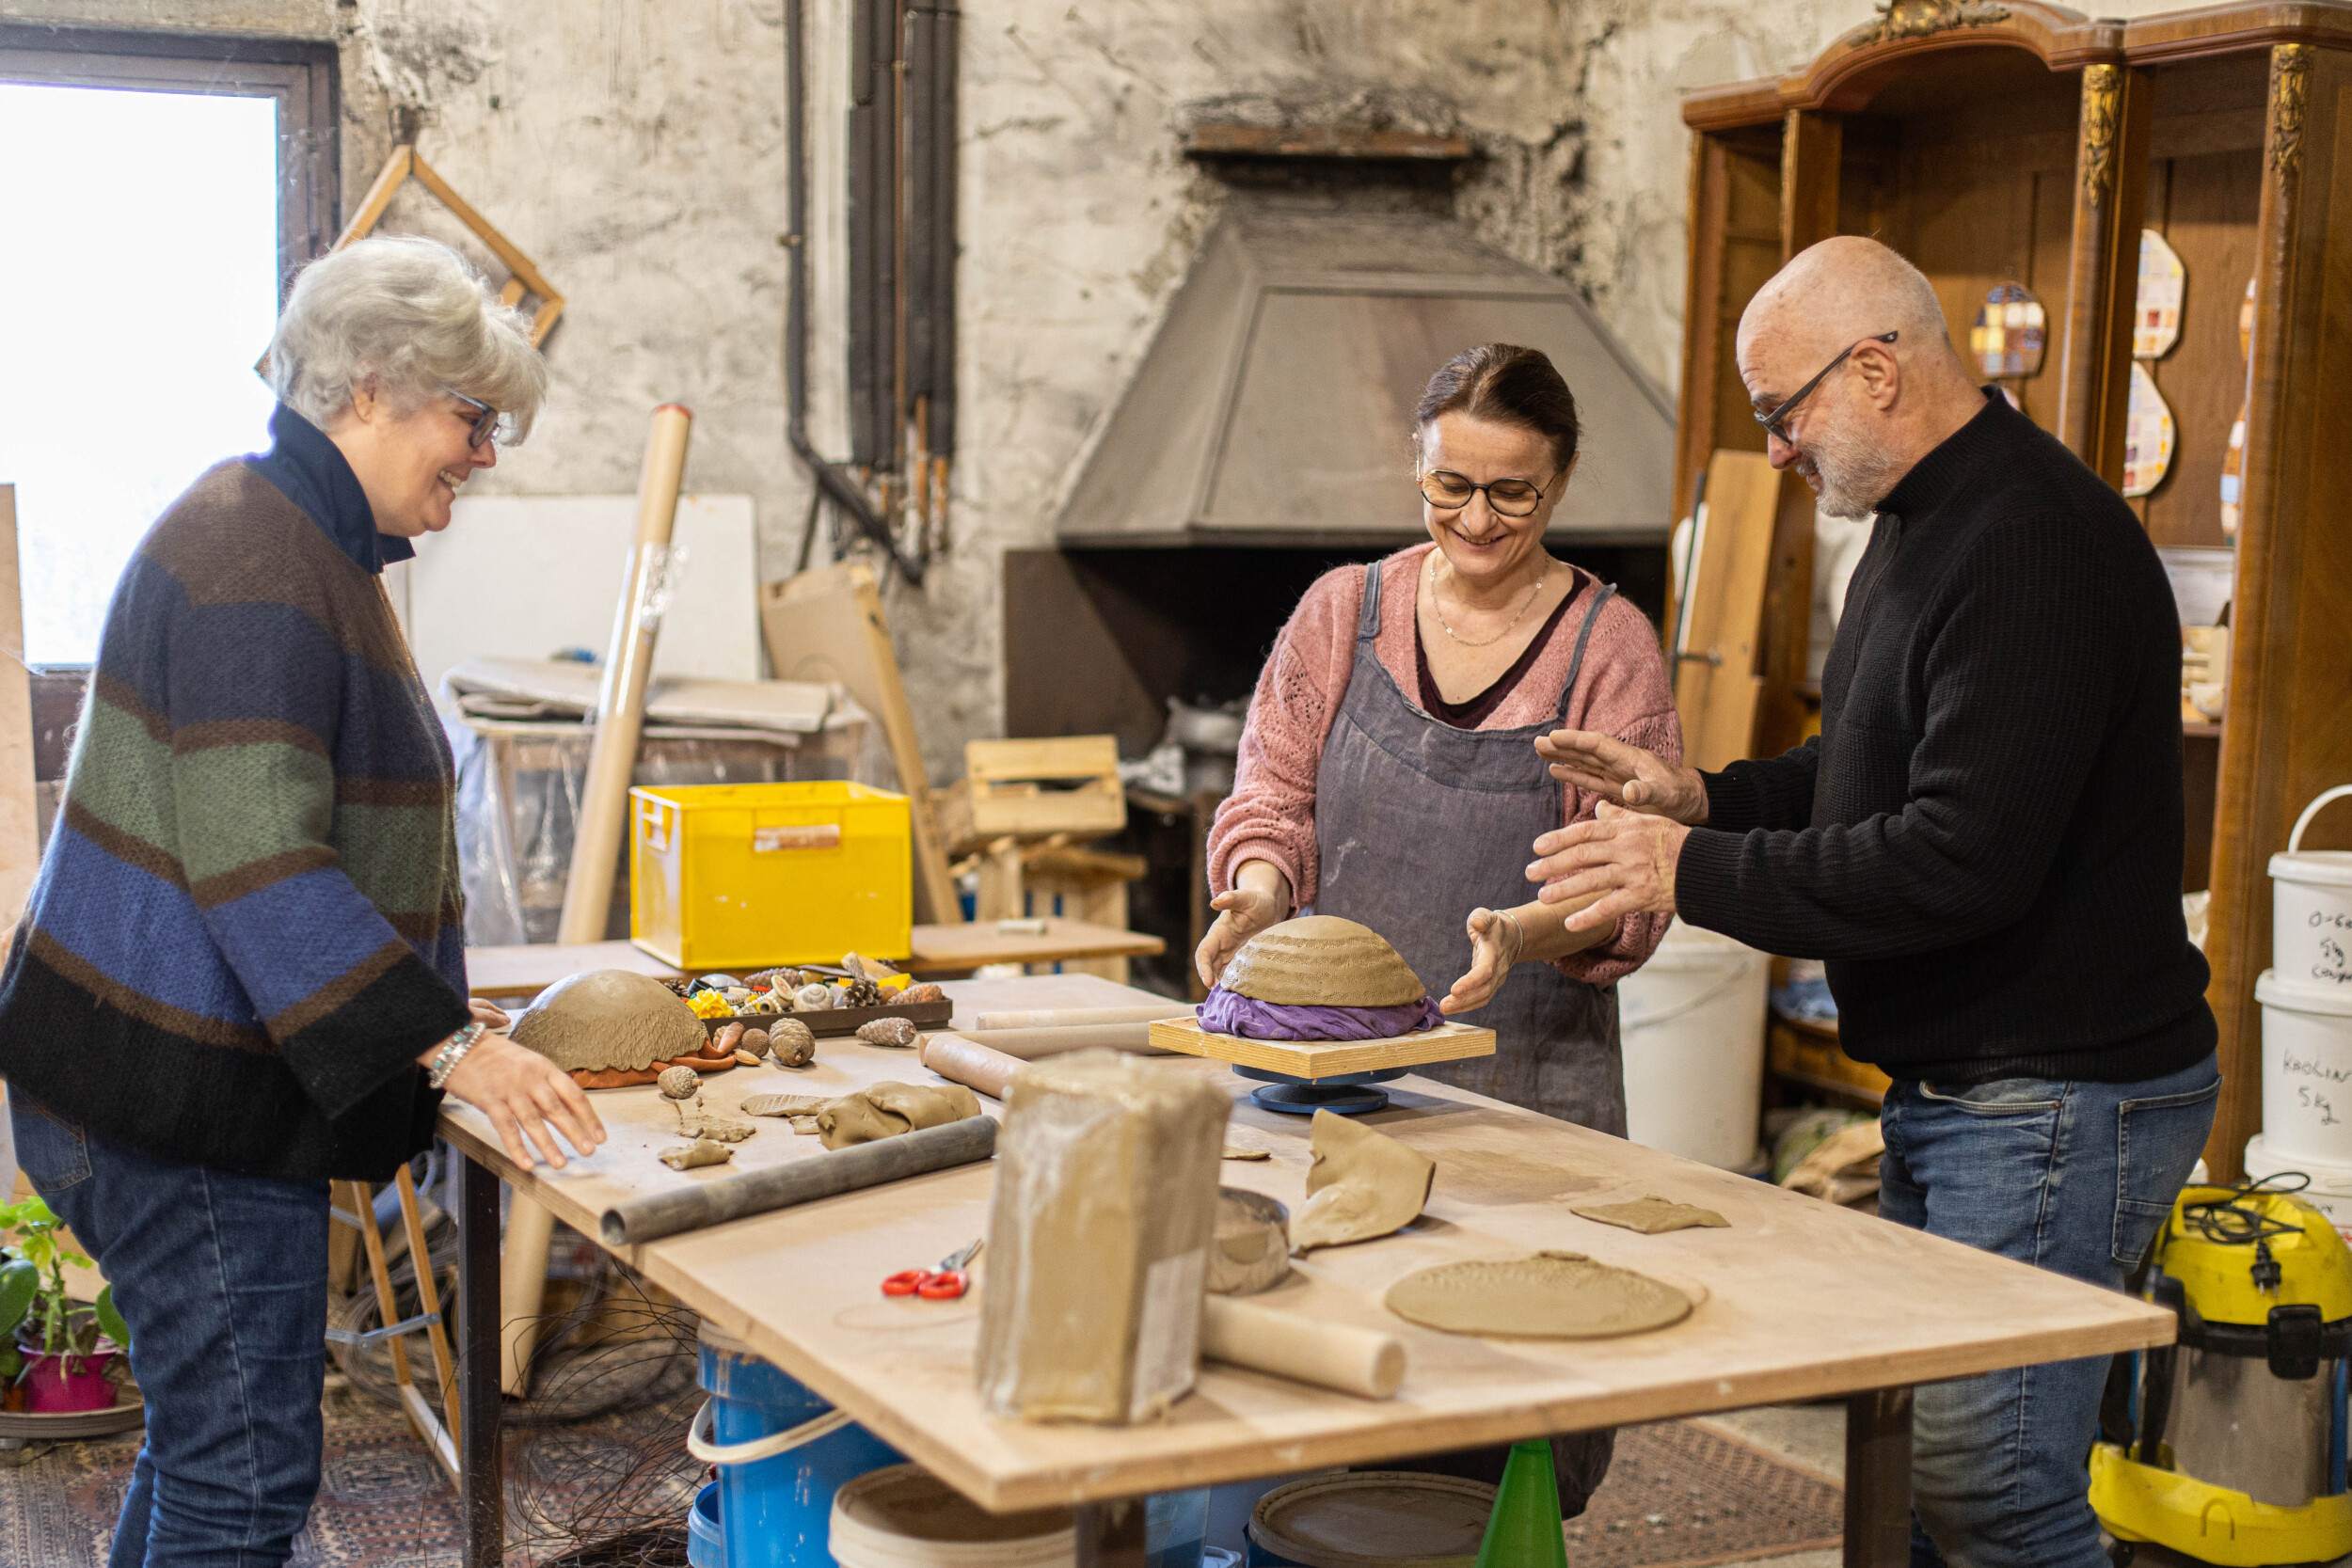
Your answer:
<point x="2232" y="1221"/>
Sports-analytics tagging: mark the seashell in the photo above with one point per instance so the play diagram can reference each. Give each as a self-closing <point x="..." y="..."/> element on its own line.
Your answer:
<point x="680" y="1083"/>
<point x="1321" y="960"/>
<point x="813" y="998"/>
<point x="728" y="1039"/>
<point x="747" y="1058"/>
<point x="897" y="1031"/>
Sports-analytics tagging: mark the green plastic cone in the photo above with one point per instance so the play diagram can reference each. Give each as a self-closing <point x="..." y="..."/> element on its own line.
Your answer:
<point x="1524" y="1530"/>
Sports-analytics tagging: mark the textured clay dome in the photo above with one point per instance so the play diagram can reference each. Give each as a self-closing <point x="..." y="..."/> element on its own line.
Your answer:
<point x="1321" y="961"/>
<point x="607" y="1018"/>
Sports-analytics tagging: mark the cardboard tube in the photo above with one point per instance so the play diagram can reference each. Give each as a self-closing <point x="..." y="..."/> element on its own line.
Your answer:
<point x="1077" y="1018"/>
<point x="969" y="1063"/>
<point x="1029" y="1044"/>
<point x="1360" y="1361"/>
<point x="620" y="717"/>
<point x="847" y="1170"/>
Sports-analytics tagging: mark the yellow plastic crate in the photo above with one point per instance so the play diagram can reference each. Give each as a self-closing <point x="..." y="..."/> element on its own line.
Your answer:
<point x="739" y="877"/>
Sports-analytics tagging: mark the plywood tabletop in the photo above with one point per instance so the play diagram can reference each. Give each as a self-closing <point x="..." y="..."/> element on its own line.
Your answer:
<point x="939" y="949"/>
<point x="519" y="973"/>
<point x="1797" y="1299"/>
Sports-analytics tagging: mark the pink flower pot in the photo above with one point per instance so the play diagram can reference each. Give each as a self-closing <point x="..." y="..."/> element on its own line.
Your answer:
<point x="58" y="1386"/>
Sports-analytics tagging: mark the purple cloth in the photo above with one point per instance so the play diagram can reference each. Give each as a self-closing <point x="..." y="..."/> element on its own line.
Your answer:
<point x="1228" y="1013"/>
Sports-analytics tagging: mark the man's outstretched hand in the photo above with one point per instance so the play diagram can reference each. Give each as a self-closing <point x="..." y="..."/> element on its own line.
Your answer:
<point x="1626" y="857"/>
<point x="1625" y="775"/>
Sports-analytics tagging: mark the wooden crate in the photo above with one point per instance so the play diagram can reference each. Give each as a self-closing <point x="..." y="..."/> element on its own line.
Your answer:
<point x="1004" y="791"/>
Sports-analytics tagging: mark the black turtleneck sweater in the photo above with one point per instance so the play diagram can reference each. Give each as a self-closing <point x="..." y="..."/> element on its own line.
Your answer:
<point x="1985" y="840"/>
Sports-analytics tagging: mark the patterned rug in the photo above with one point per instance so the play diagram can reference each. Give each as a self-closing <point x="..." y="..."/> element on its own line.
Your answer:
<point x="1678" y="1496"/>
<point x="382" y="1503"/>
<point x="1681" y="1497"/>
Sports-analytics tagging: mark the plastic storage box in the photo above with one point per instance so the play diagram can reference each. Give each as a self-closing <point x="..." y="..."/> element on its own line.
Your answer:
<point x="741" y="876"/>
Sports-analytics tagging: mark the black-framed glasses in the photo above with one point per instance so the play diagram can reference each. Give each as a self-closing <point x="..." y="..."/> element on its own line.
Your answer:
<point x="1774" y="423"/>
<point x="484" y="427"/>
<point x="1449" y="492"/>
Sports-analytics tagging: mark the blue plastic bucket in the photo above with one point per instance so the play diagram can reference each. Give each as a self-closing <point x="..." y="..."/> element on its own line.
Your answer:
<point x="705" y="1547"/>
<point x="777" y="1512"/>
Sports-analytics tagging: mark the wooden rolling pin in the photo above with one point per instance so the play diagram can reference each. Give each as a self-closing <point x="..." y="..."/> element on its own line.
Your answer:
<point x="1029" y="1044"/>
<point x="1079" y="1018"/>
<point x="969" y="1063"/>
<point x="1360" y="1361"/>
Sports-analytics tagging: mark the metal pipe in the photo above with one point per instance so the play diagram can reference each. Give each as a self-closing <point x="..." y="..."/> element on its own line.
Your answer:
<point x="831" y="482"/>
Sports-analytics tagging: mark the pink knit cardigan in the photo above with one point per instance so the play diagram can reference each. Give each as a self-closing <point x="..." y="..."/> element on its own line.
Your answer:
<point x="1271" y="814"/>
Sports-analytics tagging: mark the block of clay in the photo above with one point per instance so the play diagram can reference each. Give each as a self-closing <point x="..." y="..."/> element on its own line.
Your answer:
<point x="1651" y="1216"/>
<point x="702" y="1152"/>
<point x="887" y="1110"/>
<point x="604" y="1018"/>
<point x="1552" y="1295"/>
<point x="1321" y="960"/>
<point x="1362" y="1184"/>
<point x="1099" y="1231"/>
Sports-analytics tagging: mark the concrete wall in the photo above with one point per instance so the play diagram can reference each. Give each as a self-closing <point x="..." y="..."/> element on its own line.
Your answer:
<point x="634" y="148"/>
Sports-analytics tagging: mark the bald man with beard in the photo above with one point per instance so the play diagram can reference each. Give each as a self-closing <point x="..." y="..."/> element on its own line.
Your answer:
<point x="1984" y="842"/>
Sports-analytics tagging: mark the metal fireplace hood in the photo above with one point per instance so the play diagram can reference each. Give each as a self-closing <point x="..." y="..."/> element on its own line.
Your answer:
<point x="1273" y="405"/>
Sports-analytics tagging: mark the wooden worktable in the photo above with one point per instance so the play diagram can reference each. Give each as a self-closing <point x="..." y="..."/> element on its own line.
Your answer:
<point x="1797" y="1300"/>
<point x="518" y="974"/>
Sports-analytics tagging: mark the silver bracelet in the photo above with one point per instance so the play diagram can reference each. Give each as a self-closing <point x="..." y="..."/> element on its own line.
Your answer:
<point x="1506" y="915"/>
<point x="453" y="1052"/>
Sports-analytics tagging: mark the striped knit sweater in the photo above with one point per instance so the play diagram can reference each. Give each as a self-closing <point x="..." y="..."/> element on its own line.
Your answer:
<point x="246" y="926"/>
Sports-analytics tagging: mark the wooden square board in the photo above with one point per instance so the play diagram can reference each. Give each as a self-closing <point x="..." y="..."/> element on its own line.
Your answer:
<point x="1447" y="1043"/>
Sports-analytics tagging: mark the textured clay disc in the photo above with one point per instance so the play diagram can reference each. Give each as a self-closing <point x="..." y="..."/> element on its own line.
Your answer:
<point x="1552" y="1295"/>
<point x="1321" y="961"/>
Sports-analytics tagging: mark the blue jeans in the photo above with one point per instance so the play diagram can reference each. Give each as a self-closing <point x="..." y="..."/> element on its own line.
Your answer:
<point x="222" y="1280"/>
<point x="2073" y="1178"/>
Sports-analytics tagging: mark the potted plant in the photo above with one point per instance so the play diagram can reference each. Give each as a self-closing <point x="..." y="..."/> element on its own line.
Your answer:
<point x="56" y="1349"/>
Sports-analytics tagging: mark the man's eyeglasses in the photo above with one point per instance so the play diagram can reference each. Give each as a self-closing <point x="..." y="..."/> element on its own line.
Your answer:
<point x="1449" y="492"/>
<point x="1776" y="423"/>
<point x="487" y="425"/>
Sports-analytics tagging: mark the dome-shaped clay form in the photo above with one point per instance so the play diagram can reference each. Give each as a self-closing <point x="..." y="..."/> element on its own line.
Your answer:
<point x="609" y="1018"/>
<point x="1320" y="960"/>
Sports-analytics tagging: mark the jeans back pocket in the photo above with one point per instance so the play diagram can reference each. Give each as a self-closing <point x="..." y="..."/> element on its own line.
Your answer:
<point x="48" y="1149"/>
<point x="2157" y="1142"/>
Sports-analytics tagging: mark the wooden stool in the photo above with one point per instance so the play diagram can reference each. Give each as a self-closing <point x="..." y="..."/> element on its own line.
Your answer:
<point x="439" y="1437"/>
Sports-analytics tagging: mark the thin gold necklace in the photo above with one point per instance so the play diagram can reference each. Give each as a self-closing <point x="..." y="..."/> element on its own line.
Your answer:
<point x="1435" y="605"/>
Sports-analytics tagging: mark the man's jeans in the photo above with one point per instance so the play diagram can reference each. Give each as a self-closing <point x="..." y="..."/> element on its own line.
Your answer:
<point x="2073" y="1178"/>
<point x="223" y="1282"/>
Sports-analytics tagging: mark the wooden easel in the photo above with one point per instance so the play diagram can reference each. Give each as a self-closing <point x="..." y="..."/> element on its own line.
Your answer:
<point x="439" y="1438"/>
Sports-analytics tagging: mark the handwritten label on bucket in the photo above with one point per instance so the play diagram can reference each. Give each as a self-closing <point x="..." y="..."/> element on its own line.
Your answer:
<point x="815" y="835"/>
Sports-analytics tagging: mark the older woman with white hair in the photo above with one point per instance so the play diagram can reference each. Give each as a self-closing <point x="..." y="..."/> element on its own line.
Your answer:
<point x="242" y="970"/>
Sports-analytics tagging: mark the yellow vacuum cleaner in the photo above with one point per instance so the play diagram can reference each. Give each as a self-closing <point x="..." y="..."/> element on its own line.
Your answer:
<point x="2230" y="1445"/>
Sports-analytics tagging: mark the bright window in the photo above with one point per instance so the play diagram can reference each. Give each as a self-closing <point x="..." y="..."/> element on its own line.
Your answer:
<point x="138" y="287"/>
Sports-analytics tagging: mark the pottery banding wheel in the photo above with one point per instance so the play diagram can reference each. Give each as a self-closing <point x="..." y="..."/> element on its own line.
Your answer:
<point x="1552" y="1295"/>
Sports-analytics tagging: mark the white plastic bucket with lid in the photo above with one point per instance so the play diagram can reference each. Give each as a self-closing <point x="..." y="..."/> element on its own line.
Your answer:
<point x="2311" y="907"/>
<point x="2307" y="1071"/>
<point x="906" y="1517"/>
<point x="1692" y="1023"/>
<point x="2331" y="1189"/>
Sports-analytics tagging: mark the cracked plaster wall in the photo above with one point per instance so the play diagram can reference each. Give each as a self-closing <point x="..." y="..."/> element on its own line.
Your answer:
<point x="635" y="150"/>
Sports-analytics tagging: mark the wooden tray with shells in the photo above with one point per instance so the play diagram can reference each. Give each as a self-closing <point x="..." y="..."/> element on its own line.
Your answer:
<point x="823" y="1021"/>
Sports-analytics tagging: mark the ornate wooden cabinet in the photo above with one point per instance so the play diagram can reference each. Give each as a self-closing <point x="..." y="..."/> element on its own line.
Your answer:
<point x="2024" y="143"/>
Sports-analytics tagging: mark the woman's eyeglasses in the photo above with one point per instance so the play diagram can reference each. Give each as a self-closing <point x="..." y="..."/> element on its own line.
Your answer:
<point x="487" y="426"/>
<point x="1449" y="492"/>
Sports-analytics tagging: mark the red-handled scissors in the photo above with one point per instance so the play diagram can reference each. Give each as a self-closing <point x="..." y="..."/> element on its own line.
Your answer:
<point x="945" y="1283"/>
